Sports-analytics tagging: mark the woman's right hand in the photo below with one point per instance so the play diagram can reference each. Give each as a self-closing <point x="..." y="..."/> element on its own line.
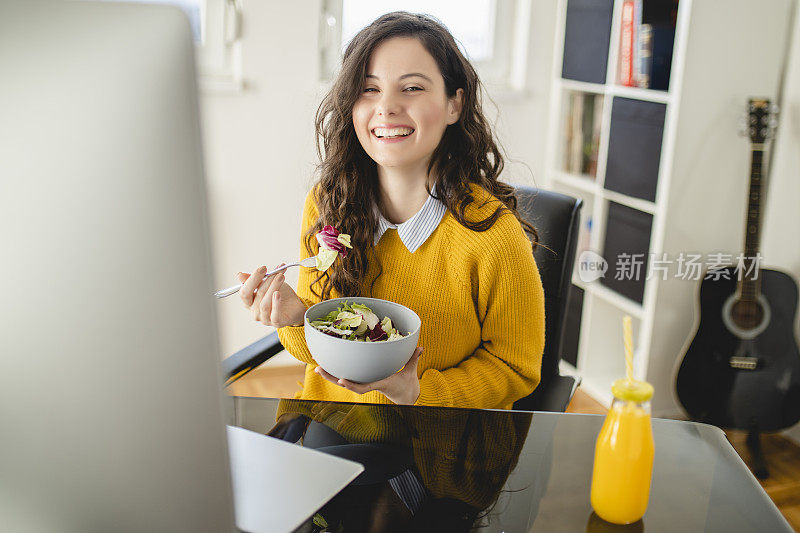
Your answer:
<point x="272" y="301"/>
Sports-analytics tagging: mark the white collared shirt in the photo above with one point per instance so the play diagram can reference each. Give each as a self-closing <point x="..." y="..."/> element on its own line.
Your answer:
<point x="415" y="231"/>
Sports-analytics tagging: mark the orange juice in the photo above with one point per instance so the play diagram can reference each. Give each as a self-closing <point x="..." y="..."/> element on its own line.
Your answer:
<point x="623" y="458"/>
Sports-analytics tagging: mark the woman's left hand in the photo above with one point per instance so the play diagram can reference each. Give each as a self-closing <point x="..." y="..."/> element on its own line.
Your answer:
<point x="401" y="387"/>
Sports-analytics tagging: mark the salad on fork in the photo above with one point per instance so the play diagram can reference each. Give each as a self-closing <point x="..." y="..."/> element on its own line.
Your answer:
<point x="331" y="243"/>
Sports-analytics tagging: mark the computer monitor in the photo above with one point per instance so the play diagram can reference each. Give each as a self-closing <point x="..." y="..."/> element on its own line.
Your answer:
<point x="111" y="412"/>
<point x="111" y="405"/>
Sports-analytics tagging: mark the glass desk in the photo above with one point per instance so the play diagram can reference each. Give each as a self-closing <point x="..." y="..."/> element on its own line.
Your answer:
<point x="438" y="469"/>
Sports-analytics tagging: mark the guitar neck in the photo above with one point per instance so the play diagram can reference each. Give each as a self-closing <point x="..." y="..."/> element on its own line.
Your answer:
<point x="749" y="284"/>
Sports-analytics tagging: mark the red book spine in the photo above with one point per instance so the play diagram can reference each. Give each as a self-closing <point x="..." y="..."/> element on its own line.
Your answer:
<point x="626" y="45"/>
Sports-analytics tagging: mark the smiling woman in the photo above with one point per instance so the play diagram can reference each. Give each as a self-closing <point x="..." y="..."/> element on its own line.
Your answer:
<point x="404" y="108"/>
<point x="410" y="170"/>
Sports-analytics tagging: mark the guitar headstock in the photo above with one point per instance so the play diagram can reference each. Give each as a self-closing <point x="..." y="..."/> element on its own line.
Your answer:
<point x="761" y="121"/>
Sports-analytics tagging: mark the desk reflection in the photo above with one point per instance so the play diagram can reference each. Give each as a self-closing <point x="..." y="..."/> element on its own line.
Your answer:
<point x="425" y="469"/>
<point x="448" y="469"/>
<point x="598" y="525"/>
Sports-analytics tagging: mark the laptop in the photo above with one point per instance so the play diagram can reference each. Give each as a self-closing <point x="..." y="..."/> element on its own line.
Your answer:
<point x="112" y="411"/>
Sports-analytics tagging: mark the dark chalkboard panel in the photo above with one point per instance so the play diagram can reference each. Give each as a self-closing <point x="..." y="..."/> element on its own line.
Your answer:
<point x="627" y="232"/>
<point x="586" y="38"/>
<point x="634" y="147"/>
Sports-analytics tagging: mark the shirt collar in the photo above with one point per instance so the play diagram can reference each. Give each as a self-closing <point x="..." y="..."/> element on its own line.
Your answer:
<point x="415" y="231"/>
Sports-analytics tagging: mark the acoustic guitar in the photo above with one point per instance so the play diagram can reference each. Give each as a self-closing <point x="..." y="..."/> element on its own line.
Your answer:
<point x="741" y="369"/>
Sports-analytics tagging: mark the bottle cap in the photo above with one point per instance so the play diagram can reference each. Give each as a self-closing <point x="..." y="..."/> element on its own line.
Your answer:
<point x="632" y="390"/>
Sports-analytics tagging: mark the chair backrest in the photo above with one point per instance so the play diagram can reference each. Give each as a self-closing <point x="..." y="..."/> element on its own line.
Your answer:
<point x="556" y="218"/>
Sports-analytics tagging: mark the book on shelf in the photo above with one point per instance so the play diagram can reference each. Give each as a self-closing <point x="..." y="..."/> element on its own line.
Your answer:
<point x="575" y="134"/>
<point x="582" y="133"/>
<point x="635" y="49"/>
<point x="592" y="141"/>
<point x="663" y="38"/>
<point x="644" y="59"/>
<point x="627" y="39"/>
<point x="647" y="35"/>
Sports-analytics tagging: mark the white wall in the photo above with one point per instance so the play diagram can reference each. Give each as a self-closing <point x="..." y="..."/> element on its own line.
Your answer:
<point x="259" y="143"/>
<point x="259" y="149"/>
<point x="781" y="230"/>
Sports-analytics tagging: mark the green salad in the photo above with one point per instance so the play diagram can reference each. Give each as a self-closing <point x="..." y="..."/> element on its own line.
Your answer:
<point x="357" y="322"/>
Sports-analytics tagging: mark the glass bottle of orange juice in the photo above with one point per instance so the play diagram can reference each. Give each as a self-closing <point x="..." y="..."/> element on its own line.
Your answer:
<point x="623" y="456"/>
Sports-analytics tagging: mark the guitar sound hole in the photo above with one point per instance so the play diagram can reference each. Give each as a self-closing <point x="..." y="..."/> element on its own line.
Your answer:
<point x="747" y="314"/>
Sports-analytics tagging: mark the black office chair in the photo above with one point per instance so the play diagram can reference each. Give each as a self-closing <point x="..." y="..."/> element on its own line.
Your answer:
<point x="555" y="217"/>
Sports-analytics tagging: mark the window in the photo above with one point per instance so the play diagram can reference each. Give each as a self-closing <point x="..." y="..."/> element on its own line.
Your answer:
<point x="215" y="27"/>
<point x="488" y="31"/>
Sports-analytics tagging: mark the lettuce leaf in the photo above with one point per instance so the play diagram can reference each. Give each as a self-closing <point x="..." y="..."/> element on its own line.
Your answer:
<point x="344" y="238"/>
<point x="325" y="259"/>
<point x="348" y="320"/>
<point x="370" y="317"/>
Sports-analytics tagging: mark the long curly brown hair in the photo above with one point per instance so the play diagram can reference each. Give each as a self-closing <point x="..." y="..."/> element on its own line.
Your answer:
<point x="347" y="187"/>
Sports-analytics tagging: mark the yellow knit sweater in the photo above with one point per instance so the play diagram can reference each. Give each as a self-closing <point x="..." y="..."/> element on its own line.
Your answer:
<point x="480" y="300"/>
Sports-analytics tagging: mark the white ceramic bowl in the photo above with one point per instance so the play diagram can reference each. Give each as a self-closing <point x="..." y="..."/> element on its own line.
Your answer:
<point x="363" y="362"/>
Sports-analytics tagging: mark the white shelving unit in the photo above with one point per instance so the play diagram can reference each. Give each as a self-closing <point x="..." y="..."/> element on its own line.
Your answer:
<point x="725" y="51"/>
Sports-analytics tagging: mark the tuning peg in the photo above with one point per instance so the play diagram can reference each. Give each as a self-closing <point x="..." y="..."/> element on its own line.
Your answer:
<point x="774" y="109"/>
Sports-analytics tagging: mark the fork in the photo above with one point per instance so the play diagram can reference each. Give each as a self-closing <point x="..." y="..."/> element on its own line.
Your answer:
<point x="308" y="262"/>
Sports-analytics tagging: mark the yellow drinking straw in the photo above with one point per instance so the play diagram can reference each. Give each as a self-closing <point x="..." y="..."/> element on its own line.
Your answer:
<point x="628" y="331"/>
